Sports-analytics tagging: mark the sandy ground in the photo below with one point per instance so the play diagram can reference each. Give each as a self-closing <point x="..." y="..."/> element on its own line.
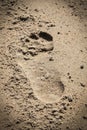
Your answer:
<point x="43" y="65"/>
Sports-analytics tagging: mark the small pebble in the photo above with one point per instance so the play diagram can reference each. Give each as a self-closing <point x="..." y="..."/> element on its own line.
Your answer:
<point x="51" y="59"/>
<point x="69" y="99"/>
<point x="81" y="67"/>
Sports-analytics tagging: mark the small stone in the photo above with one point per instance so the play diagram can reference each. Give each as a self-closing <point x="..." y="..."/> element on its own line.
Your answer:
<point x="52" y="25"/>
<point x="27" y="40"/>
<point x="24" y="51"/>
<point x="65" y="108"/>
<point x="42" y="78"/>
<point x="33" y="36"/>
<point x="23" y="18"/>
<point x="33" y="53"/>
<point x="51" y="59"/>
<point x="10" y="28"/>
<point x="71" y="6"/>
<point x="53" y="111"/>
<point x="26" y="58"/>
<point x="58" y="33"/>
<point x="18" y="122"/>
<point x="63" y="104"/>
<point x="82" y="84"/>
<point x="81" y="67"/>
<point x="70" y="77"/>
<point x="60" y="117"/>
<point x="47" y="75"/>
<point x="70" y="107"/>
<point x="69" y="98"/>
<point x="15" y="22"/>
<point x="30" y="91"/>
<point x="39" y="107"/>
<point x="61" y="111"/>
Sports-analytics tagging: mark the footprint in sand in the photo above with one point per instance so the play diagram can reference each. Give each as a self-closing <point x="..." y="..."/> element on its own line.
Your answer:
<point x="46" y="83"/>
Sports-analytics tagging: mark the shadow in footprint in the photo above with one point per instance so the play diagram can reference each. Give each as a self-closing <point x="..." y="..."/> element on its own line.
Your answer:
<point x="45" y="36"/>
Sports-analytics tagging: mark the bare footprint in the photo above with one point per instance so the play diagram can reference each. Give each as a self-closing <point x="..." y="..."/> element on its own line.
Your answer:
<point x="46" y="83"/>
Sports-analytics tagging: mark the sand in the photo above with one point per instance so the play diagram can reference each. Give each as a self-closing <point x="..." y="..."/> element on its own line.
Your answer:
<point x="43" y="65"/>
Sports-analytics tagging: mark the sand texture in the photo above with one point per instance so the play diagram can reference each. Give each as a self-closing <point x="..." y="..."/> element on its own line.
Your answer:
<point x="43" y="65"/>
